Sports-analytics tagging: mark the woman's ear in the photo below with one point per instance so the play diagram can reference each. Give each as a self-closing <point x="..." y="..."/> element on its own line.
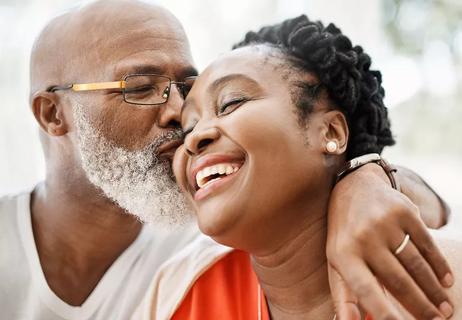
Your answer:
<point x="49" y="114"/>
<point x="336" y="133"/>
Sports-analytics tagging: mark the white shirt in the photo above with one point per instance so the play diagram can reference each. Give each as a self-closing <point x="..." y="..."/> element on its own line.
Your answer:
<point x="25" y="294"/>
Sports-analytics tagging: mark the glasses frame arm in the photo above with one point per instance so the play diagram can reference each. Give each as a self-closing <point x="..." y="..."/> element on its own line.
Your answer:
<point x="90" y="86"/>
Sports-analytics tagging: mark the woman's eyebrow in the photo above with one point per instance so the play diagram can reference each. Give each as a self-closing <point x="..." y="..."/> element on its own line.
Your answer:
<point x="220" y="82"/>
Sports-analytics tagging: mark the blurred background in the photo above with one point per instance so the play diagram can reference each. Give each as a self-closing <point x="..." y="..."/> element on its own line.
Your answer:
<point x="417" y="44"/>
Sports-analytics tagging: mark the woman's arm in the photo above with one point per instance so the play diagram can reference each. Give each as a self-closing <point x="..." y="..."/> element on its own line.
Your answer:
<point x="367" y="222"/>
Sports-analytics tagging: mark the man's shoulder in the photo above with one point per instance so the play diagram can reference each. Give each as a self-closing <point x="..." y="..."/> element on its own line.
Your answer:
<point x="13" y="224"/>
<point x="8" y="199"/>
<point x="13" y="266"/>
<point x="10" y="205"/>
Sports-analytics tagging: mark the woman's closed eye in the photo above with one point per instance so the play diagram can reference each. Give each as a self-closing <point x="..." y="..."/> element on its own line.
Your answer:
<point x="231" y="105"/>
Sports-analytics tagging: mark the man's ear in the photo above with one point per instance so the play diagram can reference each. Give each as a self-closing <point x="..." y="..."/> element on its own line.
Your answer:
<point x="336" y="131"/>
<point x="49" y="114"/>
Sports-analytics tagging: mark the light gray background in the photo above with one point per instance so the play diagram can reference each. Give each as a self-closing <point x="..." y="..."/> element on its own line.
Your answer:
<point x="416" y="44"/>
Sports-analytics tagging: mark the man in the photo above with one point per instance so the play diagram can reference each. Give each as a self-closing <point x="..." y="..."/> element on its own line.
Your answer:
<point x="69" y="250"/>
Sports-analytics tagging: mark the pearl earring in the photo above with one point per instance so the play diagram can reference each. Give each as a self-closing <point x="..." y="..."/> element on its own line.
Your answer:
<point x="331" y="146"/>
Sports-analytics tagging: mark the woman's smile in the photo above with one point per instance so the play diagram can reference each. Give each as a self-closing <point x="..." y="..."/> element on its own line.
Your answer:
<point x="240" y="166"/>
<point x="211" y="171"/>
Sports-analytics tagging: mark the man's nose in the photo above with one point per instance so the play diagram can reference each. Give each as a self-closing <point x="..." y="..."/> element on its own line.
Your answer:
<point x="170" y="113"/>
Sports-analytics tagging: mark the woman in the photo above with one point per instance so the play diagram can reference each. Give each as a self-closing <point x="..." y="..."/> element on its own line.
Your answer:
<point x="267" y="128"/>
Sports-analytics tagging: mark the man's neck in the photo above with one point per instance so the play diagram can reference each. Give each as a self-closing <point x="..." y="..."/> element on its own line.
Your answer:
<point x="294" y="276"/>
<point x="79" y="233"/>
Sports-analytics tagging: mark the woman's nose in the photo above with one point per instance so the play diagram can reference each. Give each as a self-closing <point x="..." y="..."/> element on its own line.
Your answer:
<point x="198" y="140"/>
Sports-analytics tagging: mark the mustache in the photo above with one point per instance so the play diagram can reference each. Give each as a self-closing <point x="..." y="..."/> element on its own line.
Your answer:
<point x="173" y="135"/>
<point x="153" y="157"/>
<point x="163" y="138"/>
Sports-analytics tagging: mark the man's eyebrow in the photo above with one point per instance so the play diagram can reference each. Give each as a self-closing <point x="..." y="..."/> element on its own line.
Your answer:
<point x="139" y="69"/>
<point x="154" y="69"/>
<point x="189" y="72"/>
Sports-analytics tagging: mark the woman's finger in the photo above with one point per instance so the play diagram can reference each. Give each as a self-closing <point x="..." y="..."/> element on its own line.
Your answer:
<point x="425" y="278"/>
<point x="400" y="284"/>
<point x="424" y="242"/>
<point x="363" y="284"/>
<point x="345" y="302"/>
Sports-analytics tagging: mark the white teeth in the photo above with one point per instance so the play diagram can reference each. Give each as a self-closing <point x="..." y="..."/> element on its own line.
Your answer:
<point x="222" y="168"/>
<point x="229" y="170"/>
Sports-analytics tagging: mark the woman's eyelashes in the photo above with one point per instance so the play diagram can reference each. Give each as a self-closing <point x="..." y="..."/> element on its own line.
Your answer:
<point x="230" y="105"/>
<point x="225" y="108"/>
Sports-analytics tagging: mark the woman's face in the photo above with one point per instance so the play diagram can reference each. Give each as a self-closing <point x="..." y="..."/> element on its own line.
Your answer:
<point x="250" y="169"/>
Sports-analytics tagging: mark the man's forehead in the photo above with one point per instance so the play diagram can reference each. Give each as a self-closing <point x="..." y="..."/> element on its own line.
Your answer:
<point x="87" y="43"/>
<point x="174" y="65"/>
<point x="147" y="46"/>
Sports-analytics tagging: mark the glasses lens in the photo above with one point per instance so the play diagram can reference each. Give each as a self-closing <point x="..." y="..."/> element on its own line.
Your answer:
<point x="146" y="89"/>
<point x="188" y="83"/>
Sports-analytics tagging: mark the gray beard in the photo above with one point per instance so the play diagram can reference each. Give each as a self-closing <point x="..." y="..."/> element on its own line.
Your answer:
<point x="138" y="181"/>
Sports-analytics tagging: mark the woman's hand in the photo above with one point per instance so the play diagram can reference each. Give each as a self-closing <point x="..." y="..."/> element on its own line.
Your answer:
<point x="368" y="221"/>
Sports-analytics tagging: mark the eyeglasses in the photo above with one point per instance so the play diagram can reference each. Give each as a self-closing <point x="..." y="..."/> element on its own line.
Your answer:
<point x="140" y="89"/>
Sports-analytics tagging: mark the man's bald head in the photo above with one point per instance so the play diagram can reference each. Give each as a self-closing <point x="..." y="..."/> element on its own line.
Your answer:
<point x="74" y="46"/>
<point x="95" y="138"/>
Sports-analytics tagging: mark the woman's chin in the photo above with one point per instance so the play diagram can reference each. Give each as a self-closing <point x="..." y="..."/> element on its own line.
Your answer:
<point x="218" y="224"/>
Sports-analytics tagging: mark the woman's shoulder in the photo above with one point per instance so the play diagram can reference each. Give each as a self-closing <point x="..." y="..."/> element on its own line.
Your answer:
<point x="450" y="244"/>
<point x="176" y="276"/>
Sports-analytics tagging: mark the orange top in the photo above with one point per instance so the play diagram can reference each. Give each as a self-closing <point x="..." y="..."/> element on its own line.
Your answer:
<point x="228" y="290"/>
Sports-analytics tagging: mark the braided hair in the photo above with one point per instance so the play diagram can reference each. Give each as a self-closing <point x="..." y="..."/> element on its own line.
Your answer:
<point x="342" y="69"/>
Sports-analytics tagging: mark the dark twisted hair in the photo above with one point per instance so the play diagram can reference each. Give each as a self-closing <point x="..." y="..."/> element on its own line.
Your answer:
<point x="342" y="69"/>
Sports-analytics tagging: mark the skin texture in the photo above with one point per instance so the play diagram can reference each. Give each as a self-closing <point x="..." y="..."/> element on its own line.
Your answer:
<point x="237" y="110"/>
<point x="69" y="214"/>
<point x="377" y="259"/>
<point x="452" y="247"/>
<point x="295" y="283"/>
<point x="79" y="232"/>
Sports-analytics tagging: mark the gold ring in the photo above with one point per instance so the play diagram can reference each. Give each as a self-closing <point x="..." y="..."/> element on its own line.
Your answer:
<point x="403" y="244"/>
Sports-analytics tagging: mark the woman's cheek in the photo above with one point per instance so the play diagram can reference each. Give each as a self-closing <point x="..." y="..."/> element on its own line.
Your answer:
<point x="254" y="128"/>
<point x="180" y="161"/>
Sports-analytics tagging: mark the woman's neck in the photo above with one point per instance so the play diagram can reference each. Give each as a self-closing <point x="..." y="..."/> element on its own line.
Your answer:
<point x="294" y="276"/>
